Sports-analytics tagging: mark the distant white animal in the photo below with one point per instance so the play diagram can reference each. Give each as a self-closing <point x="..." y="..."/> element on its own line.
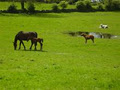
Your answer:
<point x="103" y="26"/>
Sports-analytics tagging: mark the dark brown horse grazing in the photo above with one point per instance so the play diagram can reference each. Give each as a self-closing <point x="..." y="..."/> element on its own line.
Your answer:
<point x="88" y="37"/>
<point x="35" y="40"/>
<point x="24" y="36"/>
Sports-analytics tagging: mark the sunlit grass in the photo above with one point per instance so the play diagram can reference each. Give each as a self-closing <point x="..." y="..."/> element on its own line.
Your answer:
<point x="66" y="63"/>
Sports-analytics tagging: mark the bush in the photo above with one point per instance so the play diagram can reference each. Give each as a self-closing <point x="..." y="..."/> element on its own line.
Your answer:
<point x="100" y="7"/>
<point x="51" y="1"/>
<point x="31" y="8"/>
<point x="113" y="5"/>
<point x="63" y="4"/>
<point x="12" y="8"/>
<point x="72" y="2"/>
<point x="108" y="5"/>
<point x="55" y="7"/>
<point x="80" y="5"/>
<point x="88" y="6"/>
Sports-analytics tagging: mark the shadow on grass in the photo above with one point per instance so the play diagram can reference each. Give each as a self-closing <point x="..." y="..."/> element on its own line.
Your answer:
<point x="43" y="15"/>
<point x="46" y="15"/>
<point x="33" y="50"/>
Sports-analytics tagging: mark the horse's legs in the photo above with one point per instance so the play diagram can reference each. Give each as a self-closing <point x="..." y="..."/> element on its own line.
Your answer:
<point x="23" y="45"/>
<point x="85" y="40"/>
<point x="20" y="44"/>
<point x="31" y="45"/>
<point x="35" y="45"/>
<point x="92" y="40"/>
<point x="41" y="46"/>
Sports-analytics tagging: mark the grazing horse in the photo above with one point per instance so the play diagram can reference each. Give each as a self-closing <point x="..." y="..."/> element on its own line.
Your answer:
<point x="88" y="37"/>
<point x="35" y="40"/>
<point x="24" y="36"/>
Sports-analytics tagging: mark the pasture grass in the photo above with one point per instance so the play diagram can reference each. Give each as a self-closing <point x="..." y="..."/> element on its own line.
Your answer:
<point x="66" y="63"/>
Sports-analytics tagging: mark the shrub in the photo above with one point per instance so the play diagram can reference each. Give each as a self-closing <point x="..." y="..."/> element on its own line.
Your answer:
<point x="51" y="1"/>
<point x="100" y="7"/>
<point x="12" y="8"/>
<point x="80" y="5"/>
<point x="55" y="7"/>
<point x="72" y="1"/>
<point x="108" y="5"/>
<point x="113" y="5"/>
<point x="31" y="7"/>
<point x="88" y="5"/>
<point x="63" y="4"/>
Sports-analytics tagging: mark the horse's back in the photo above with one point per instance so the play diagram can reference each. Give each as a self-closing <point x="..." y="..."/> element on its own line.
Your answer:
<point x="21" y="35"/>
<point x="33" y="34"/>
<point x="89" y="37"/>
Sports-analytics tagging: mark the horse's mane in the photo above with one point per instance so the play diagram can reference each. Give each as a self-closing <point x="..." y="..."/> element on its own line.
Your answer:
<point x="20" y="32"/>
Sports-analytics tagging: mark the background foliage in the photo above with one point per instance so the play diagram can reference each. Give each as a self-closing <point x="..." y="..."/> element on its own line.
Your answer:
<point x="81" y="5"/>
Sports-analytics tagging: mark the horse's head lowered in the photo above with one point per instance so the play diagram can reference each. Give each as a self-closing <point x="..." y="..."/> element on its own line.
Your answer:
<point x="15" y="45"/>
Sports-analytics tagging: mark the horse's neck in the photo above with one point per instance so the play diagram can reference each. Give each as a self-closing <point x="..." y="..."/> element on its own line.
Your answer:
<point x="15" y="40"/>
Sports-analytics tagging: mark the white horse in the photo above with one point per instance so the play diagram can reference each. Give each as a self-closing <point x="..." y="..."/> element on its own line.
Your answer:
<point x="103" y="26"/>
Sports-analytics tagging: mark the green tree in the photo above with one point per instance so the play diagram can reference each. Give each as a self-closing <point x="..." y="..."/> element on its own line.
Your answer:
<point x="112" y="5"/>
<point x="80" y="5"/>
<point x="55" y="7"/>
<point x="12" y="8"/>
<point x="31" y="7"/>
<point x="22" y="4"/>
<point x="63" y="4"/>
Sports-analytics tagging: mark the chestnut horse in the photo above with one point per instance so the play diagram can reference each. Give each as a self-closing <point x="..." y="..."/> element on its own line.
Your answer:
<point x="24" y="36"/>
<point x="35" y="40"/>
<point x="88" y="37"/>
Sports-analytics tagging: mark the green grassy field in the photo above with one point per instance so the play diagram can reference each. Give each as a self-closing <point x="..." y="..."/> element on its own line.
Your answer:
<point x="66" y="63"/>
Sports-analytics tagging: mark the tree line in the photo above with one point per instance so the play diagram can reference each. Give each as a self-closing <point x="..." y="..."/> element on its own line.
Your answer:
<point x="81" y="5"/>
